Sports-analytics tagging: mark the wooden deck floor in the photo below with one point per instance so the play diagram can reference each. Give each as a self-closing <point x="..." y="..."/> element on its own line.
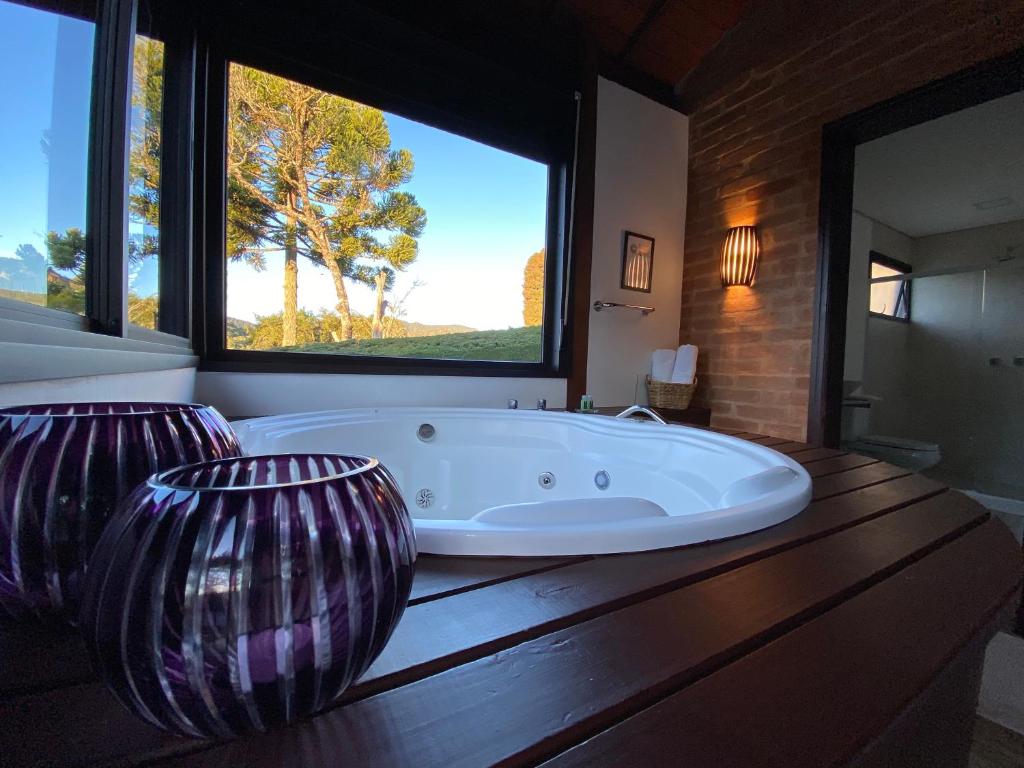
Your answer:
<point x="798" y="645"/>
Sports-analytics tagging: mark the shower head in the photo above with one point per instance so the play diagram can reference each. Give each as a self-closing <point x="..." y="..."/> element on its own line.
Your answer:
<point x="1009" y="256"/>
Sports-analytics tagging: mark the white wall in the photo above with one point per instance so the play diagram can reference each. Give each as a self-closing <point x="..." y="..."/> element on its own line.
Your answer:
<point x="176" y="385"/>
<point x="892" y="242"/>
<point x="980" y="246"/>
<point x="246" y="395"/>
<point x="885" y="362"/>
<point x="640" y="179"/>
<point x="876" y="348"/>
<point x="858" y="297"/>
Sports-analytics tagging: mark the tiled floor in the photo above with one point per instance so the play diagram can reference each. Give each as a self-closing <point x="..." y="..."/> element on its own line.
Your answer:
<point x="995" y="746"/>
<point x="999" y="726"/>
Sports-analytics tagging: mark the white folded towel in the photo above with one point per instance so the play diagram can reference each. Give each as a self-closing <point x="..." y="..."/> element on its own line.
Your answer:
<point x="662" y="362"/>
<point x="685" y="366"/>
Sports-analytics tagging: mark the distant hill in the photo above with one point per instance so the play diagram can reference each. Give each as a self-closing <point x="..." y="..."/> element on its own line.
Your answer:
<point x="29" y="297"/>
<point x="236" y="327"/>
<point x="241" y="328"/>
<point x="517" y="344"/>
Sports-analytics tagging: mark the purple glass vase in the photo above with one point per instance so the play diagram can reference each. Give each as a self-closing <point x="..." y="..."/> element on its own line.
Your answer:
<point x="64" y="468"/>
<point x="237" y="595"/>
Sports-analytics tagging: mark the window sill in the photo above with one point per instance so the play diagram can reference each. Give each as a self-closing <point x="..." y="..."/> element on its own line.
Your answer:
<point x="890" y="318"/>
<point x="33" y="352"/>
<point x="290" y="362"/>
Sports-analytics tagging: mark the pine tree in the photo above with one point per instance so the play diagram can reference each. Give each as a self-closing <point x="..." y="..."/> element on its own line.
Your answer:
<point x="314" y="174"/>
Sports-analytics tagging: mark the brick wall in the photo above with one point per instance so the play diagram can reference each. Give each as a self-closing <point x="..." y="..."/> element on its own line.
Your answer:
<point x="757" y="104"/>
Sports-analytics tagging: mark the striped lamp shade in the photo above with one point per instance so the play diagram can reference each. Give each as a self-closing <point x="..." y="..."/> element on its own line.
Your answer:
<point x="740" y="256"/>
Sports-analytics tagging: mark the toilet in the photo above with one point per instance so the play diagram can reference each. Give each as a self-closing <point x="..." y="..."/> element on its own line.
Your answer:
<point x="901" y="451"/>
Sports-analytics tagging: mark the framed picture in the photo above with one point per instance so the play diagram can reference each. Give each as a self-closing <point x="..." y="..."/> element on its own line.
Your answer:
<point x="637" y="262"/>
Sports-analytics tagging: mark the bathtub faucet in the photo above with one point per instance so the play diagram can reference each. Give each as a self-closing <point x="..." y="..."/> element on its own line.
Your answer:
<point x="513" y="403"/>
<point x="633" y="409"/>
<point x="542" y="404"/>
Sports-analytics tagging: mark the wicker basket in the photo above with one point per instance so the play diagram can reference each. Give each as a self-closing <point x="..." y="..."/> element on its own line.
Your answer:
<point x="665" y="394"/>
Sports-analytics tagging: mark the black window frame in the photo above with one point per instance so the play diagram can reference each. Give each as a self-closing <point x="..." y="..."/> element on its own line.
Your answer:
<point x="106" y="266"/>
<point x="528" y="106"/>
<point x="554" y="146"/>
<point x="903" y="295"/>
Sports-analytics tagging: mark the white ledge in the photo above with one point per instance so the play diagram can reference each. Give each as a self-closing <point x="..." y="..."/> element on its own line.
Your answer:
<point x="34" y="362"/>
<point x="33" y="352"/>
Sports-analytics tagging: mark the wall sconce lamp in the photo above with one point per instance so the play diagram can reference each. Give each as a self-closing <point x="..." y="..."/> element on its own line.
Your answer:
<point x="740" y="256"/>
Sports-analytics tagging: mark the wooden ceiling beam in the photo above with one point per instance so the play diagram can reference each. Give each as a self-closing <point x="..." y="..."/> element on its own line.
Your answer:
<point x="678" y="23"/>
<point x="722" y="14"/>
<point x="668" y="66"/>
<point x="648" y="19"/>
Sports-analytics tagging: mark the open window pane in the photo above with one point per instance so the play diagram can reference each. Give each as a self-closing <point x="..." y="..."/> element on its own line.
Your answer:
<point x="890" y="299"/>
<point x="144" y="155"/>
<point x="46" y="62"/>
<point x="353" y="231"/>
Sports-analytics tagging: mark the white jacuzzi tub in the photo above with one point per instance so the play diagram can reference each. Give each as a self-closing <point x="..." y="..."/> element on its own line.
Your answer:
<point x="507" y="482"/>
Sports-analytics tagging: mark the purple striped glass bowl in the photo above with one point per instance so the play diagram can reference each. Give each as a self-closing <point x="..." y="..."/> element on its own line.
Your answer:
<point x="238" y="595"/>
<point x="63" y="470"/>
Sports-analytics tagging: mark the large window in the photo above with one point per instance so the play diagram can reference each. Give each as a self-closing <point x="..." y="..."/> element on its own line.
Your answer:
<point x="46" y="63"/>
<point x="352" y="231"/>
<point x="891" y="298"/>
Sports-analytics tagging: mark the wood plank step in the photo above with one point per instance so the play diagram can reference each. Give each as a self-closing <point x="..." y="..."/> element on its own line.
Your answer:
<point x="815" y="454"/>
<point x="790" y="447"/>
<point x="821" y="467"/>
<point x="551" y="693"/>
<point x="35" y="659"/>
<point x="438" y="577"/>
<point x="438" y="635"/>
<point x="767" y="441"/>
<point x="859" y="477"/>
<point x="796" y="702"/>
<point x="470" y="625"/>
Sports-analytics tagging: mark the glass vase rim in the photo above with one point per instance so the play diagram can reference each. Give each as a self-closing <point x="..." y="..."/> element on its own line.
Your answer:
<point x="159" y="480"/>
<point x="150" y="408"/>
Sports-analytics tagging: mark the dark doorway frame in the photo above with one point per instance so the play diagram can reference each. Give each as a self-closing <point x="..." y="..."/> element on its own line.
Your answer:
<point x="970" y="87"/>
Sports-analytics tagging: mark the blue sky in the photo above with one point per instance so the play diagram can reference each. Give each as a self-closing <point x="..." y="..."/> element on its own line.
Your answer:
<point x="486" y="208"/>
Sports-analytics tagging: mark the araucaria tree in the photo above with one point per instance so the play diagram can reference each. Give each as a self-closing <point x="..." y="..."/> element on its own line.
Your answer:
<point x="314" y="174"/>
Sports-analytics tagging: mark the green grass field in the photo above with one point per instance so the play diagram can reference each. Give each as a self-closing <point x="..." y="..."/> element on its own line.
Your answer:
<point x="518" y="344"/>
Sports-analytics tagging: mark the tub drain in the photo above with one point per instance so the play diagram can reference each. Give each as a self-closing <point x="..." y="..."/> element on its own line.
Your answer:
<point x="546" y="480"/>
<point x="424" y="498"/>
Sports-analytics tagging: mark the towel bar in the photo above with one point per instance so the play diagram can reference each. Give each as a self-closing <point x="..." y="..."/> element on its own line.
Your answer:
<point x="599" y="305"/>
